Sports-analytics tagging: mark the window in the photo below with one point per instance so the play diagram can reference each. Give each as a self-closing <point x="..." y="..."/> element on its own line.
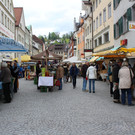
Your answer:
<point x="96" y="22"/>
<point x="125" y="22"/>
<point x="100" y="19"/>
<point x="90" y="28"/>
<point x="100" y="40"/>
<point x="104" y="15"/>
<point x="109" y="11"/>
<point x="106" y="37"/>
<point x="96" y="3"/>
<point x="88" y="31"/>
<point x="2" y="17"/>
<point x="94" y="26"/>
<point x="96" y="43"/>
<point x="90" y="44"/>
<point x="5" y="20"/>
<point x="93" y="6"/>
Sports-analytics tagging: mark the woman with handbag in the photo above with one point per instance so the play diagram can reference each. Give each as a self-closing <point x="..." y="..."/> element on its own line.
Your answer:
<point x="59" y="75"/>
<point x="125" y="81"/>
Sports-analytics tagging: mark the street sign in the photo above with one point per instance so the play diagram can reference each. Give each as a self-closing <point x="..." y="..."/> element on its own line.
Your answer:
<point x="132" y="26"/>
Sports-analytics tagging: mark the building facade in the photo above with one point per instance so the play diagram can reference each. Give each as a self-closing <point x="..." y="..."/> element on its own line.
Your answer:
<point x="7" y="19"/>
<point x="102" y="25"/>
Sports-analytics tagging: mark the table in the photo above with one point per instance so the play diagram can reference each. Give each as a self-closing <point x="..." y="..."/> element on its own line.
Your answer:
<point x="45" y="81"/>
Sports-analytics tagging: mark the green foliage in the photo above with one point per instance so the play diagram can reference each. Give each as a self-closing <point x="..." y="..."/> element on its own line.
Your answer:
<point x="54" y="36"/>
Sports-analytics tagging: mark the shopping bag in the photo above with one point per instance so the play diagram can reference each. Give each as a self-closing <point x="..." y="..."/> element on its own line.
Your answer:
<point x="57" y="83"/>
<point x="86" y="78"/>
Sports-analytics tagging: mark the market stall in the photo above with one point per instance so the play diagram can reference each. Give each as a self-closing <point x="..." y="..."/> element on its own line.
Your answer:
<point x="47" y="73"/>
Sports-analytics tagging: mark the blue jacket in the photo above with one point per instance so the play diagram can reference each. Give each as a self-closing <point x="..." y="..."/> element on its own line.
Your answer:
<point x="73" y="71"/>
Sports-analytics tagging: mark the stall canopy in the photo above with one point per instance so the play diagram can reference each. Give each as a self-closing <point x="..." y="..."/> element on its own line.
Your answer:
<point x="10" y="45"/>
<point x="73" y="59"/>
<point x="24" y="58"/>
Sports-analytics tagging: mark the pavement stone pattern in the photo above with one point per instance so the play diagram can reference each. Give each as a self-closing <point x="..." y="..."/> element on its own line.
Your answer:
<point x="66" y="112"/>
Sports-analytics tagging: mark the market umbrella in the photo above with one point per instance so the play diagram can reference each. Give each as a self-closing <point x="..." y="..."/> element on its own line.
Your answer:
<point x="24" y="58"/>
<point x="46" y="55"/>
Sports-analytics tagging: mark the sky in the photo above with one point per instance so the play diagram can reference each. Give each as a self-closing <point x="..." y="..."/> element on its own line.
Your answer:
<point x="50" y="15"/>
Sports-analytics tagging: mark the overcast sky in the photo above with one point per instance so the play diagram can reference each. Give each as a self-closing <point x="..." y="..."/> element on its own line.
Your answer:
<point x="50" y="15"/>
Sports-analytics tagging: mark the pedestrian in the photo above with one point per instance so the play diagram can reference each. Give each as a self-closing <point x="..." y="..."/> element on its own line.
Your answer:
<point x="15" y="75"/>
<point x="69" y="75"/>
<point x="65" y="73"/>
<point x="92" y="76"/>
<point x="125" y="81"/>
<point x="59" y="75"/>
<point x="83" y="73"/>
<point x="115" y="80"/>
<point x="74" y="73"/>
<point x="5" y="77"/>
<point x="38" y="71"/>
<point x="110" y="66"/>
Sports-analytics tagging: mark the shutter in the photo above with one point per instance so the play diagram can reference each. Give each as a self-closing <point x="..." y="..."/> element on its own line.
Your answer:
<point x="129" y="14"/>
<point x="114" y="4"/>
<point x="121" y="25"/>
<point x="114" y="30"/>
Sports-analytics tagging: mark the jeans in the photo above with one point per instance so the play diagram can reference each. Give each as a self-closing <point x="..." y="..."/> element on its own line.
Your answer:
<point x="123" y="96"/>
<point x="93" y="82"/>
<point x="84" y="84"/>
<point x="15" y="84"/>
<point x="60" y="87"/>
<point x="6" y="90"/>
<point x="74" y="81"/>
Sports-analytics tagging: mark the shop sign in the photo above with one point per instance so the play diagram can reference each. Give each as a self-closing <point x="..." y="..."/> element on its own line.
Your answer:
<point x="88" y="50"/>
<point x="132" y="26"/>
<point x="123" y="42"/>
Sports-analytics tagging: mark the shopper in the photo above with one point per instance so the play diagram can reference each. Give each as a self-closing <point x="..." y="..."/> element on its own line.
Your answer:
<point x="5" y="77"/>
<point x="110" y="66"/>
<point x="125" y="80"/>
<point x="65" y="73"/>
<point x="15" y="75"/>
<point x="59" y="75"/>
<point x="92" y="76"/>
<point x="83" y="72"/>
<point x="38" y="71"/>
<point x="74" y="73"/>
<point x="115" y="80"/>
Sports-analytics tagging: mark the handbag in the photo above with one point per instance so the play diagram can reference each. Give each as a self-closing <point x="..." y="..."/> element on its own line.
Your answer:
<point x="57" y="83"/>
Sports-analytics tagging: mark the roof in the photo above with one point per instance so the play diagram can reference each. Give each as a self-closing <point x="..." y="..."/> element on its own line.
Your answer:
<point x="37" y="40"/>
<point x="18" y="14"/>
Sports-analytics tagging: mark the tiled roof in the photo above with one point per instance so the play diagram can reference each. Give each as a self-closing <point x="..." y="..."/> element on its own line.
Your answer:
<point x="37" y="40"/>
<point x="18" y="13"/>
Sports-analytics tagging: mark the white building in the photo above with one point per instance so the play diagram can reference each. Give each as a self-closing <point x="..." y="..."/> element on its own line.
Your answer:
<point x="7" y="21"/>
<point x="19" y="25"/>
<point x="124" y="12"/>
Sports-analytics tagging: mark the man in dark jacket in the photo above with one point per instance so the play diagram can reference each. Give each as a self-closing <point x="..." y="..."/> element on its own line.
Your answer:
<point x="83" y="71"/>
<point x="15" y="75"/>
<point x="38" y="71"/>
<point x="115" y="81"/>
<point x="74" y="73"/>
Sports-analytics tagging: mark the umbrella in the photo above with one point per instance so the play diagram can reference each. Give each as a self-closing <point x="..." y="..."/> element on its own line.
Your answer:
<point x="24" y="58"/>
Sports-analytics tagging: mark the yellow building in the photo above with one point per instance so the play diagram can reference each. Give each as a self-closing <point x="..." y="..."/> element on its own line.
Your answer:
<point x="103" y="32"/>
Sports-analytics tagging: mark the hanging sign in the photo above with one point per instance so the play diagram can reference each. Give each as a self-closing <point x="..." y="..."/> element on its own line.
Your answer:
<point x="132" y="26"/>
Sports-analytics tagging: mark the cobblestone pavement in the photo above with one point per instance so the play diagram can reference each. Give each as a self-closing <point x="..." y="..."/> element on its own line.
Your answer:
<point x="66" y="112"/>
